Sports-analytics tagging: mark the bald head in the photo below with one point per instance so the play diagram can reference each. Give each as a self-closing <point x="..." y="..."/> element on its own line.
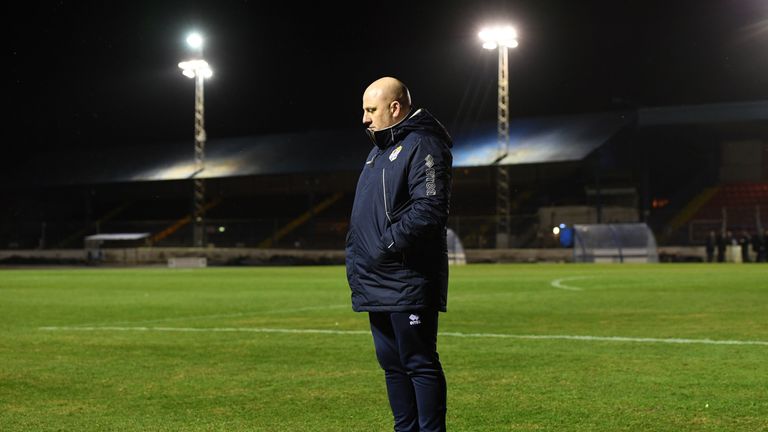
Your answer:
<point x="390" y="89"/>
<point x="386" y="102"/>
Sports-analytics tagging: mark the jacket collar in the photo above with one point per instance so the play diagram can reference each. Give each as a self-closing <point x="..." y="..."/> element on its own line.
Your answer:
<point x="386" y="137"/>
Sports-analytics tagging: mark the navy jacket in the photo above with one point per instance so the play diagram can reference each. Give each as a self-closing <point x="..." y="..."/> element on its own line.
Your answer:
<point x="396" y="251"/>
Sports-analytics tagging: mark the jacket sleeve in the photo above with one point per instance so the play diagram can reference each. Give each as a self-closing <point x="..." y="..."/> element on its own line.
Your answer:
<point x="429" y="185"/>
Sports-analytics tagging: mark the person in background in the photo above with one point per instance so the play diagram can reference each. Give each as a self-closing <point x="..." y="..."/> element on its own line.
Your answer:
<point x="744" y="243"/>
<point x="759" y="246"/>
<point x="709" y="246"/>
<point x="721" y="244"/>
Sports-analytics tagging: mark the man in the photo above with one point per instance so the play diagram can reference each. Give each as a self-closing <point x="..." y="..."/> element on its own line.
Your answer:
<point x="721" y="244"/>
<point x="397" y="261"/>
<point x="759" y="245"/>
<point x="745" y="241"/>
<point x="710" y="246"/>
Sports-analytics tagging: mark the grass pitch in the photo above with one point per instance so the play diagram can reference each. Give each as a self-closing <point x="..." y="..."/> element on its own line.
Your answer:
<point x="525" y="348"/>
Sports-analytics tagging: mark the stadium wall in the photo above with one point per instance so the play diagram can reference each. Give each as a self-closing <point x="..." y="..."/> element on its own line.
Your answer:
<point x="255" y="257"/>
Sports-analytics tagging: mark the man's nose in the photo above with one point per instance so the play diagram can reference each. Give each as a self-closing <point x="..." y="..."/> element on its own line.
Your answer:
<point x="367" y="120"/>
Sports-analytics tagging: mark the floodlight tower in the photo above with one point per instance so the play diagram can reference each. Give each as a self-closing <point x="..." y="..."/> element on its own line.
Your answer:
<point x="198" y="69"/>
<point x="502" y="37"/>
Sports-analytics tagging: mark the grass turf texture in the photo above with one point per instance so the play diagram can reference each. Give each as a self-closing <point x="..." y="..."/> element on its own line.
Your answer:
<point x="156" y="379"/>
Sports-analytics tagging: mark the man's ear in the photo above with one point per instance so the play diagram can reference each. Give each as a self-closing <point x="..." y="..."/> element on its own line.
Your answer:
<point x="394" y="108"/>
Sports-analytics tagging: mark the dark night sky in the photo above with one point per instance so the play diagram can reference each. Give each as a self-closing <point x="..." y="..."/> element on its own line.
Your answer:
<point x="98" y="74"/>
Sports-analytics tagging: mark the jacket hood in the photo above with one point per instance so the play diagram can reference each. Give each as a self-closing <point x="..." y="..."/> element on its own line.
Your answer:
<point x="420" y="121"/>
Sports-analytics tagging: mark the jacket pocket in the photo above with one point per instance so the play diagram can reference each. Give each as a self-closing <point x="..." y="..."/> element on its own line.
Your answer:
<point x="399" y="210"/>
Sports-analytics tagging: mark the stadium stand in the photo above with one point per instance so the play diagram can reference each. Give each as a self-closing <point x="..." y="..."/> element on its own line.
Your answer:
<point x="735" y="207"/>
<point x="294" y="191"/>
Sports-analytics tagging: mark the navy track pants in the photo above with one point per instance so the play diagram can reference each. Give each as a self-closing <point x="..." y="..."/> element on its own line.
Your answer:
<point x="406" y="347"/>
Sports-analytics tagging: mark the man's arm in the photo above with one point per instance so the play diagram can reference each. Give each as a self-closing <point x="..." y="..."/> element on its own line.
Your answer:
<point x="429" y="184"/>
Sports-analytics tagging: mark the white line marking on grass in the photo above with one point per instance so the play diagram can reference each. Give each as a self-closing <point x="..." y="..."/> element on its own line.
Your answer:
<point x="558" y="283"/>
<point x="233" y="315"/>
<point x="611" y="339"/>
<point x="450" y="334"/>
<point x="208" y="330"/>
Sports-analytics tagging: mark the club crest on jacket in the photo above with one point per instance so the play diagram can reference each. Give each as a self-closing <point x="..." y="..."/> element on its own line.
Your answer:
<point x="395" y="152"/>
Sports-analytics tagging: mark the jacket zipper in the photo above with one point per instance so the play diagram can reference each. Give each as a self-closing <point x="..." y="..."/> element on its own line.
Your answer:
<point x="384" y="187"/>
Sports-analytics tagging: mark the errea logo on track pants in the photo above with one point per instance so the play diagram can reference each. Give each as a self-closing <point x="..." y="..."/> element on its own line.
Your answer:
<point x="415" y="319"/>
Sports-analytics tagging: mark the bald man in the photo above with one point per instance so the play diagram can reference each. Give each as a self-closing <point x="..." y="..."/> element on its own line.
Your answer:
<point x="397" y="260"/>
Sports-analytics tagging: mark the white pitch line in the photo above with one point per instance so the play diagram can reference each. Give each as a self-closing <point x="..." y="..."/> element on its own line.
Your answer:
<point x="450" y="334"/>
<point x="612" y="339"/>
<point x="232" y="315"/>
<point x="558" y="283"/>
<point x="207" y="330"/>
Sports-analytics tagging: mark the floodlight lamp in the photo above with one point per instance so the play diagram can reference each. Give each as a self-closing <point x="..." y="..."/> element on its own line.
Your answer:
<point x="494" y="37"/>
<point x="485" y="36"/>
<point x="556" y="230"/>
<point x="195" y="40"/>
<point x="193" y="68"/>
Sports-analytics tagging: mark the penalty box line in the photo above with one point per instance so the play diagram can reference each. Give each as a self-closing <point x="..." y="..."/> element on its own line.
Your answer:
<point x="448" y="334"/>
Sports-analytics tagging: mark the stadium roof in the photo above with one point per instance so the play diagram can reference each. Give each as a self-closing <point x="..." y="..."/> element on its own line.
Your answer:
<point x="703" y="114"/>
<point x="542" y="140"/>
<point x="532" y="141"/>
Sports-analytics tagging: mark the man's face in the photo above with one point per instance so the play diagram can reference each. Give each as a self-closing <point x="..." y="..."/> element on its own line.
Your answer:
<point x="378" y="112"/>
